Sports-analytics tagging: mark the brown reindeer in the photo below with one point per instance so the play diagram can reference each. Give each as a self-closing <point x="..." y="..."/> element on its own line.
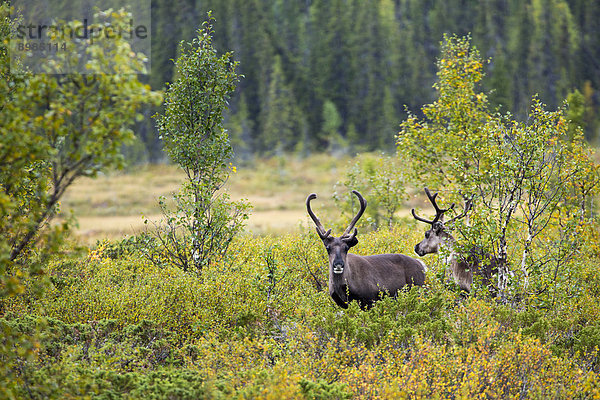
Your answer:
<point x="461" y="268"/>
<point x="363" y="278"/>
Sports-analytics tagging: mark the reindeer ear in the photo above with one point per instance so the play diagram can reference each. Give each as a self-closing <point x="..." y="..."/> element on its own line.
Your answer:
<point x="352" y="241"/>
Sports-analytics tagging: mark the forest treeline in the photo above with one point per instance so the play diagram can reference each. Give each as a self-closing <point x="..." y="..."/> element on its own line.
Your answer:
<point x="328" y="74"/>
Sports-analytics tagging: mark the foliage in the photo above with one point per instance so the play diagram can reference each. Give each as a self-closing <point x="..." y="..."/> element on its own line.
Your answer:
<point x="332" y="122"/>
<point x="20" y="151"/>
<point x="280" y="119"/>
<point x="142" y="345"/>
<point x="194" y="137"/>
<point x="255" y="325"/>
<point x="297" y="57"/>
<point x="380" y="179"/>
<point x="324" y="390"/>
<point x="536" y="178"/>
<point x="397" y="321"/>
<point x="77" y="123"/>
<point x="524" y="177"/>
<point x="55" y="129"/>
<point x="259" y="323"/>
<point x="437" y="148"/>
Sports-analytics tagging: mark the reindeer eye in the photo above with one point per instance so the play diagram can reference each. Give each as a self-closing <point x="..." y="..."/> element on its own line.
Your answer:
<point x="427" y="234"/>
<point x="327" y="247"/>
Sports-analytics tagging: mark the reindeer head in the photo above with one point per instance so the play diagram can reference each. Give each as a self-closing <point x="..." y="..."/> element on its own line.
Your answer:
<point x="337" y="247"/>
<point x="437" y="235"/>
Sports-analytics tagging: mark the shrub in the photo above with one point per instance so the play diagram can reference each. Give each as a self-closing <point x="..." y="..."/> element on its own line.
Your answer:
<point x="398" y="320"/>
<point x="380" y="179"/>
<point x="255" y="325"/>
<point x="321" y="389"/>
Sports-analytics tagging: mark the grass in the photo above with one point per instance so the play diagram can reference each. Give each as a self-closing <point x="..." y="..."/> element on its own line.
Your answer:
<point x="114" y="205"/>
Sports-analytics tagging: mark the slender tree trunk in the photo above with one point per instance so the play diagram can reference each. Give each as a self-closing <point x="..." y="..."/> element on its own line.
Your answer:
<point x="29" y="237"/>
<point x="504" y="273"/>
<point x="196" y="242"/>
<point x="503" y="270"/>
<point x="524" y="257"/>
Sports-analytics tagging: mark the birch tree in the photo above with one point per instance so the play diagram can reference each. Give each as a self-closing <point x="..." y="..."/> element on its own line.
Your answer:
<point x="194" y="136"/>
<point x="531" y="181"/>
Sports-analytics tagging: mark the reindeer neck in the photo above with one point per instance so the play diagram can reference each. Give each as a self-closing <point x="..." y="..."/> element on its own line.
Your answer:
<point x="339" y="286"/>
<point x="449" y="243"/>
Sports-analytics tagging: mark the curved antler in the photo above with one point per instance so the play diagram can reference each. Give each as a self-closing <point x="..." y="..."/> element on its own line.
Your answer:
<point x="467" y="208"/>
<point x="323" y="234"/>
<point x="439" y="212"/>
<point x="363" y="207"/>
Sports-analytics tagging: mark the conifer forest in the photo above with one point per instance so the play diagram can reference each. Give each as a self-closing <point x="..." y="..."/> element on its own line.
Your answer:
<point x="333" y="72"/>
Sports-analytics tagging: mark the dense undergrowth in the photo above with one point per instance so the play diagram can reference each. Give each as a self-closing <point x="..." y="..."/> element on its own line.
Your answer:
<point x="260" y="324"/>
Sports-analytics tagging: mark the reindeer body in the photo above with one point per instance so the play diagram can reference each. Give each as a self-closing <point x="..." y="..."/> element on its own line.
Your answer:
<point x="364" y="278"/>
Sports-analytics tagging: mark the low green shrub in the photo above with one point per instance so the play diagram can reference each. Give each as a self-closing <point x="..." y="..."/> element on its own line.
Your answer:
<point x="411" y="313"/>
<point x="322" y="390"/>
<point x="260" y="324"/>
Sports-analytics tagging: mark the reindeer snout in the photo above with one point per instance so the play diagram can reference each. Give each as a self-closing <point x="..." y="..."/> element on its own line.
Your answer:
<point x="338" y="268"/>
<point x="418" y="250"/>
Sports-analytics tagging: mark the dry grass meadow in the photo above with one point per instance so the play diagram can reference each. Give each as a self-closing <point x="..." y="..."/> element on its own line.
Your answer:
<point x="114" y="205"/>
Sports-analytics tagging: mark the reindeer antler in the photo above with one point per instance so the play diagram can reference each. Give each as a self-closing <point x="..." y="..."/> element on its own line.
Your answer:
<point x="348" y="232"/>
<point x="467" y="208"/>
<point x="323" y="234"/>
<point x="439" y="212"/>
<point x="363" y="207"/>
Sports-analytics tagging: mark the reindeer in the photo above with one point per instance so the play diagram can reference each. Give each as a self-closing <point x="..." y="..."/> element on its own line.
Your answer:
<point x="363" y="278"/>
<point x="461" y="268"/>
